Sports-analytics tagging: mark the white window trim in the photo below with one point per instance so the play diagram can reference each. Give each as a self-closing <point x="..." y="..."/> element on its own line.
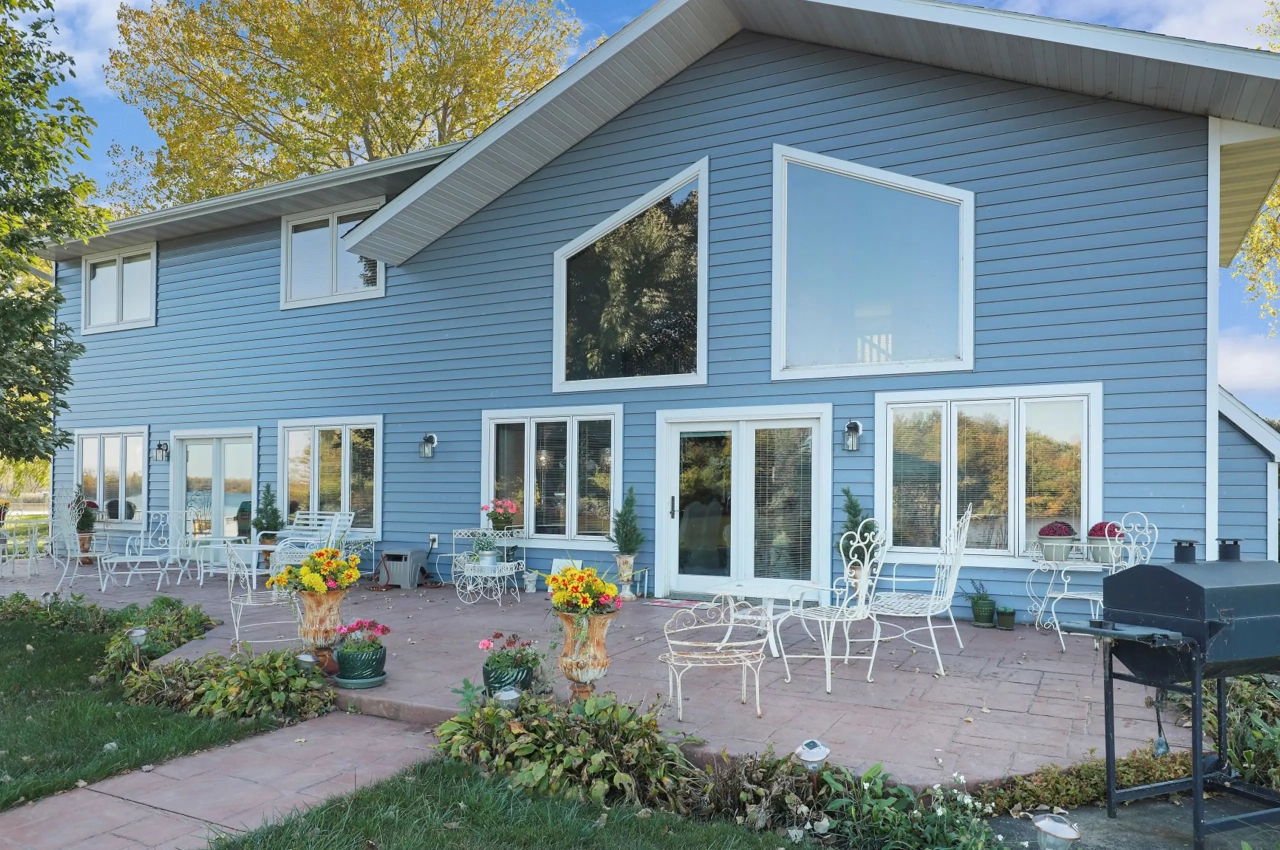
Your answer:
<point x="964" y="199"/>
<point x="699" y="172"/>
<point x="490" y="418"/>
<point x="177" y="477"/>
<point x="282" y="459"/>
<point x="121" y="431"/>
<point x="335" y="246"/>
<point x="1091" y="486"/>
<point x="118" y="256"/>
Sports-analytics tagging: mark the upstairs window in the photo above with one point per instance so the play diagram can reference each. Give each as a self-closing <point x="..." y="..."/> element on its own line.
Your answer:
<point x="631" y="294"/>
<point x="111" y="469"/>
<point x="872" y="271"/>
<point x="316" y="270"/>
<point x="119" y="290"/>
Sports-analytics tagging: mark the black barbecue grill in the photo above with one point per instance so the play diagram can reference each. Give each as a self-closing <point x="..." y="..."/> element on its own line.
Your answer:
<point x="1174" y="626"/>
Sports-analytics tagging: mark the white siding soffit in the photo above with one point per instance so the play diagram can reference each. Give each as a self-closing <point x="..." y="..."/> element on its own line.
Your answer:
<point x="1159" y="71"/>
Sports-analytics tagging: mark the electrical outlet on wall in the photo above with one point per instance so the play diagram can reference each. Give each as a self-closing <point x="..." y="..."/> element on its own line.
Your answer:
<point x="435" y="539"/>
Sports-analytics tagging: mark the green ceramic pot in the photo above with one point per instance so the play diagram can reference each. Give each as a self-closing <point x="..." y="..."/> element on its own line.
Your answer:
<point x="516" y="677"/>
<point x="984" y="613"/>
<point x="362" y="665"/>
<point x="1006" y="619"/>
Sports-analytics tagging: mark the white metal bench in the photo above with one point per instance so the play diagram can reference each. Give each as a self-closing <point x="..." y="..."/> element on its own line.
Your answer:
<point x="719" y="633"/>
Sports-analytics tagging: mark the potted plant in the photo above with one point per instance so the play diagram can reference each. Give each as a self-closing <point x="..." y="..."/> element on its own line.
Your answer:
<point x="85" y="524"/>
<point x="268" y="518"/>
<point x="486" y="546"/>
<point x="361" y="656"/>
<point x="984" y="607"/>
<point x="509" y="663"/>
<point x="586" y="605"/>
<point x="501" y="514"/>
<point x="1056" y="540"/>
<point x="1005" y="617"/>
<point x="321" y="581"/>
<point x="1103" y="537"/>
<point x="627" y="538"/>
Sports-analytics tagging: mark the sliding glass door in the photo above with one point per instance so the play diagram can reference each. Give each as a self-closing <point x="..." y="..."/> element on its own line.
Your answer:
<point x="217" y="486"/>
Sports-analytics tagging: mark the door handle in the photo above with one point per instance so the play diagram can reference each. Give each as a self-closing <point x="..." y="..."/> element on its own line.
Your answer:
<point x="673" y="507"/>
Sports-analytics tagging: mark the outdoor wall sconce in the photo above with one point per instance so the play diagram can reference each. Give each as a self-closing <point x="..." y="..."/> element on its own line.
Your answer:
<point x="161" y="453"/>
<point x="852" y="431"/>
<point x="427" y="448"/>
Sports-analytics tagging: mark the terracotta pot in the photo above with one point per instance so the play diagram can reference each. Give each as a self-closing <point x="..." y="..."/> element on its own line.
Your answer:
<point x="325" y="662"/>
<point x="321" y="617"/>
<point x="584" y="658"/>
<point x="86" y="545"/>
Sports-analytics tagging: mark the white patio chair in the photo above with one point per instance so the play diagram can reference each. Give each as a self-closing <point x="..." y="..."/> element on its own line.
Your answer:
<point x="64" y="543"/>
<point x="719" y="633"/>
<point x="317" y="530"/>
<point x="849" y="600"/>
<point x="147" y="552"/>
<point x="242" y="593"/>
<point x="934" y="599"/>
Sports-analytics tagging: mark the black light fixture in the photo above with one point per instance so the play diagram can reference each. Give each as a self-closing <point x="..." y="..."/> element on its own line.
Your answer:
<point x="427" y="448"/>
<point x="161" y="453"/>
<point x="852" y="431"/>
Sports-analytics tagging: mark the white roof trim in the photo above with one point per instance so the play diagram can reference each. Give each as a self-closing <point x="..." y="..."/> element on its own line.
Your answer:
<point x="1155" y="70"/>
<point x="1254" y="426"/>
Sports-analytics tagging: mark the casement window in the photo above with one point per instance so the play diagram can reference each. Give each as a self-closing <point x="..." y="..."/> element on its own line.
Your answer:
<point x="631" y="294"/>
<point x="315" y="269"/>
<point x="333" y="465"/>
<point x="118" y="290"/>
<point x="872" y="270"/>
<point x="1021" y="457"/>
<point x="111" y="469"/>
<point x="562" y="468"/>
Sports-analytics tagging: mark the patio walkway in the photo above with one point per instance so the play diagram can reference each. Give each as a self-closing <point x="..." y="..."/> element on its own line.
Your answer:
<point x="183" y="803"/>
<point x="1011" y="701"/>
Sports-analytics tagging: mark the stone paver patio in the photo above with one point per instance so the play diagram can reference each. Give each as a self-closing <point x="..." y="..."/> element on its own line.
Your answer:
<point x="231" y="789"/>
<point x="1011" y="701"/>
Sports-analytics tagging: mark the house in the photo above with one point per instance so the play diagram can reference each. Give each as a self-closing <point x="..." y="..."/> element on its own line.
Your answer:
<point x="745" y="254"/>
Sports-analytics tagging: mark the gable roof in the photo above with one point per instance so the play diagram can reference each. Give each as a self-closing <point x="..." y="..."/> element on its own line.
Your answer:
<point x="1254" y="426"/>
<point x="1144" y="68"/>
<point x="388" y="176"/>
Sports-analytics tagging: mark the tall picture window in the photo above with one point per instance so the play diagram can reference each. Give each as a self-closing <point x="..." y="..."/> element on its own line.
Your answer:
<point x="334" y="465"/>
<point x="112" y="472"/>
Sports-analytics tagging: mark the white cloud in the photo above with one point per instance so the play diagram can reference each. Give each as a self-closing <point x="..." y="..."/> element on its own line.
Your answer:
<point x="87" y="30"/>
<point x="1223" y="21"/>
<point x="1248" y="362"/>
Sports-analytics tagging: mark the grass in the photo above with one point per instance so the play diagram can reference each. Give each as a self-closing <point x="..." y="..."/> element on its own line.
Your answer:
<point x="443" y="803"/>
<point x="54" y="725"/>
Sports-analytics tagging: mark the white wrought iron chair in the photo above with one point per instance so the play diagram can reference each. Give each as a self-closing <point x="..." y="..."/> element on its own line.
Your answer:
<point x="849" y="600"/>
<point x="64" y="543"/>
<point x="242" y="593"/>
<point x="933" y="601"/>
<point x="1133" y="545"/>
<point x="147" y="552"/>
<point x="719" y="633"/>
<point x="319" y="531"/>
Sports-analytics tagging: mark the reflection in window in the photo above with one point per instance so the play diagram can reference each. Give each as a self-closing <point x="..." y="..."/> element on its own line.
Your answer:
<point x="595" y="459"/>
<point x="873" y="272"/>
<point x="299" y="460"/>
<point x="551" y="482"/>
<point x="309" y="253"/>
<point x="982" y="472"/>
<point x="112" y="474"/>
<point x="508" y="465"/>
<point x="334" y="468"/>
<point x="632" y="296"/>
<point x="354" y="273"/>
<point x="318" y="268"/>
<point x="361" y="464"/>
<point x="329" y="469"/>
<point x="784" y="503"/>
<point x="917" y="476"/>
<point x="1054" y="432"/>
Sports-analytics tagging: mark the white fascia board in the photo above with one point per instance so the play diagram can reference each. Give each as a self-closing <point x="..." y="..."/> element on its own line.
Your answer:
<point x="1254" y="426"/>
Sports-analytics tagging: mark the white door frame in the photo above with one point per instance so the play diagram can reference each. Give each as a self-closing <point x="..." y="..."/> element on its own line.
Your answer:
<point x="177" y="470"/>
<point x="665" y="486"/>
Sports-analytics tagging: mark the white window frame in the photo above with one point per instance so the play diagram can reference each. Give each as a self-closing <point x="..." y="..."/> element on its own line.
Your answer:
<point x="529" y="417"/>
<point x="118" y="255"/>
<point x="1090" y="486"/>
<point x="122" y="431"/>
<point x="328" y="423"/>
<point x="335" y="246"/>
<point x="696" y="172"/>
<point x="964" y="199"/>
<point x="177" y="465"/>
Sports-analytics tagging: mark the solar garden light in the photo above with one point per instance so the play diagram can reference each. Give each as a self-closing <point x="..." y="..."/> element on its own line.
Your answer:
<point x="306" y="661"/>
<point x="812" y="754"/>
<point x="137" y="637"/>
<point x="508" y="698"/>
<point x="48" y="598"/>
<point x="1054" y="832"/>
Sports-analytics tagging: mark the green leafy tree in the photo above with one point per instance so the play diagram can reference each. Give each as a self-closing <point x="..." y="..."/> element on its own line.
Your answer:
<point x="248" y="92"/>
<point x="41" y="199"/>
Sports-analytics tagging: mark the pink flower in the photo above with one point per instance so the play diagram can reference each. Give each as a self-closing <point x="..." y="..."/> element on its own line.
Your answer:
<point x="486" y="644"/>
<point x="484" y="508"/>
<point x="332" y="584"/>
<point x="606" y="598"/>
<point x="617" y="606"/>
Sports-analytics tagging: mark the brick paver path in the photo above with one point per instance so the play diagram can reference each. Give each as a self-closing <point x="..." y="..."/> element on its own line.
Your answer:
<point x="231" y="789"/>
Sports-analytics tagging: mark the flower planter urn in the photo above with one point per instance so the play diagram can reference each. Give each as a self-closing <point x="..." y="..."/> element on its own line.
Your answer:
<point x="1104" y="550"/>
<point x="984" y="613"/>
<point x="361" y="669"/>
<point x="512" y="677"/>
<point x="489" y="558"/>
<point x="1056" y="548"/>
<point x="584" y="658"/>
<point x="626" y="572"/>
<point x="321" y="617"/>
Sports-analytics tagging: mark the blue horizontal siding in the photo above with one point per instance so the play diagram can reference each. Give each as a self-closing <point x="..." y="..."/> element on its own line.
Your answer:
<point x="1090" y="260"/>
<point x="1242" y="489"/>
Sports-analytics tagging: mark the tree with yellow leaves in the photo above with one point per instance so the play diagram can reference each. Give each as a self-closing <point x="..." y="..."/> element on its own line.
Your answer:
<point x="248" y="92"/>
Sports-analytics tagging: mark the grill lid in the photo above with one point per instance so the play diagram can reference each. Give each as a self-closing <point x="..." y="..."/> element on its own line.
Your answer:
<point x="1204" y="592"/>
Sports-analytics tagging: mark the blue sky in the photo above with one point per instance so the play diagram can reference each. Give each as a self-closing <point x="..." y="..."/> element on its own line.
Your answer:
<point x="1249" y="359"/>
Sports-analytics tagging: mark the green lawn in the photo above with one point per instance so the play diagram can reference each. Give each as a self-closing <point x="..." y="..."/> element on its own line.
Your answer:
<point x="54" y="724"/>
<point x="446" y="804"/>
